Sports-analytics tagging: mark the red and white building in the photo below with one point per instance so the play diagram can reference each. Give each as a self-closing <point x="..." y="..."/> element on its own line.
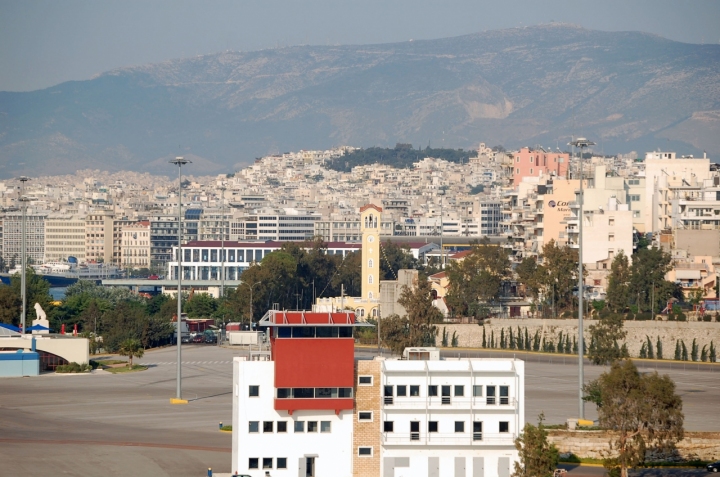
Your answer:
<point x="308" y="408"/>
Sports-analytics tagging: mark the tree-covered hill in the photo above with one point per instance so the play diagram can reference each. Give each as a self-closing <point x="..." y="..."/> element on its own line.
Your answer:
<point x="401" y="156"/>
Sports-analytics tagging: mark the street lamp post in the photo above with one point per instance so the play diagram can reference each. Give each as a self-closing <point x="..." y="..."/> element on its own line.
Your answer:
<point x="581" y="143"/>
<point x="222" y="245"/>
<point x="251" y="299"/>
<point x="179" y="161"/>
<point x="23" y="251"/>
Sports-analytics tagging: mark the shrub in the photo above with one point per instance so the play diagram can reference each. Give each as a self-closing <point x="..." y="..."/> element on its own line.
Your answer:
<point x="671" y="317"/>
<point x="717" y="317"/>
<point x="707" y="318"/>
<point x="73" y="368"/>
<point x="644" y="316"/>
<point x="681" y="317"/>
<point x="629" y="316"/>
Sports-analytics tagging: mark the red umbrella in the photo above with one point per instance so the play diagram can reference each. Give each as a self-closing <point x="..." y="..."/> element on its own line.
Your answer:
<point x="62" y="329"/>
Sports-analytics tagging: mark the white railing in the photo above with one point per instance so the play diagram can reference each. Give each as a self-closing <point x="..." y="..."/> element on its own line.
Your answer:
<point x="449" y="439"/>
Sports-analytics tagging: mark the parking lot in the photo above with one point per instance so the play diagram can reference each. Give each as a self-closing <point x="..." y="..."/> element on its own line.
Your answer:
<point x="123" y="425"/>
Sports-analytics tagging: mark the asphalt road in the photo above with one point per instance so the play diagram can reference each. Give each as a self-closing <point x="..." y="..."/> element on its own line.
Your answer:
<point x="124" y="425"/>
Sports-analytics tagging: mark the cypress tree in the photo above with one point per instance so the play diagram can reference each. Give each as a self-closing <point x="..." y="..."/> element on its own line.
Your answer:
<point x="684" y="351"/>
<point x="704" y="354"/>
<point x="575" y="345"/>
<point x="567" y="345"/>
<point x="492" y="338"/>
<point x="643" y="352"/>
<point x="694" y="350"/>
<point x="712" y="353"/>
<point x="678" y="356"/>
<point x="658" y="346"/>
<point x="502" y="338"/>
<point x="527" y="340"/>
<point x="512" y="338"/>
<point x="650" y="351"/>
<point x="484" y="343"/>
<point x="520" y="343"/>
<point x="624" y="353"/>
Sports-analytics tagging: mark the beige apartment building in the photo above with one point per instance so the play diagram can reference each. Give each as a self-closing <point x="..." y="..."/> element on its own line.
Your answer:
<point x="64" y="237"/>
<point x="103" y="236"/>
<point x="135" y="245"/>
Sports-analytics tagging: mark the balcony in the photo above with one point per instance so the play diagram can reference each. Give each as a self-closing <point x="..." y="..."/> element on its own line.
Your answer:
<point x="445" y="402"/>
<point x="447" y="439"/>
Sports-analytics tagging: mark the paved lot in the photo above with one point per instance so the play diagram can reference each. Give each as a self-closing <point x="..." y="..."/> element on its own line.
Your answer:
<point x="123" y="425"/>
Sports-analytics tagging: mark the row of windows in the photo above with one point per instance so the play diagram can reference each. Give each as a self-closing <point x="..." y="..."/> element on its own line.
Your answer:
<point x="314" y="331"/>
<point x="446" y="391"/>
<point x="459" y="426"/>
<point x="267" y="463"/>
<point x="269" y="427"/>
<point x="314" y="393"/>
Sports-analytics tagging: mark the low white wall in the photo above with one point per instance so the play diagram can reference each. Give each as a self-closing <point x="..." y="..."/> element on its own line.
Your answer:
<point x="71" y="348"/>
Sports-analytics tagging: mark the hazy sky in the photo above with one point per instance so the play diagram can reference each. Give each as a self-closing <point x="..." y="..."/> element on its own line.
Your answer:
<point x="43" y="43"/>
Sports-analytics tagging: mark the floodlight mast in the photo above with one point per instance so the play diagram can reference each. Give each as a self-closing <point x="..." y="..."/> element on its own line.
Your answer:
<point x="581" y="143"/>
<point x="179" y="161"/>
<point x="23" y="252"/>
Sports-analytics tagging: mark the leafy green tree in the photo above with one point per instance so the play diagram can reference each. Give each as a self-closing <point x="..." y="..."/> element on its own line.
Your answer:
<point x="476" y="280"/>
<point x="131" y="347"/>
<point x="605" y="335"/>
<point x="38" y="291"/>
<point x="10" y="305"/>
<point x="394" y="257"/>
<point x="417" y="327"/>
<point x="201" y="305"/>
<point x="558" y="274"/>
<point x="537" y="456"/>
<point x="618" y="296"/>
<point x="125" y="321"/>
<point x="529" y="275"/>
<point x="644" y="411"/>
<point x="647" y="279"/>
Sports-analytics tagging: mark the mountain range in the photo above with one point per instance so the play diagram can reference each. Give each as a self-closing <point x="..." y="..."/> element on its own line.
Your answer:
<point x="517" y="87"/>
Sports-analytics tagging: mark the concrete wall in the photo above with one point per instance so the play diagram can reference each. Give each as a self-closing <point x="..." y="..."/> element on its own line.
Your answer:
<point x="704" y="445"/>
<point x="698" y="242"/>
<point x="668" y="331"/>
<point x="71" y="348"/>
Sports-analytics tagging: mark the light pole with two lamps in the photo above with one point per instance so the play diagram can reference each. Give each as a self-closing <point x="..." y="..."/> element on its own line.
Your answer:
<point x="179" y="161"/>
<point x="581" y="143"/>
<point x="23" y="250"/>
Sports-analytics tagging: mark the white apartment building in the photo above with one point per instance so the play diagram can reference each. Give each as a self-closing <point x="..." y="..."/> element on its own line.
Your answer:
<point x="135" y="245"/>
<point x="661" y="169"/>
<point x="64" y="237"/>
<point x="288" y="225"/>
<point x="34" y="236"/>
<point x="348" y="230"/>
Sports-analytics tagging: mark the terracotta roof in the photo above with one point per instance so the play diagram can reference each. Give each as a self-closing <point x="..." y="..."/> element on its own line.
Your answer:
<point x="438" y="275"/>
<point x="368" y="206"/>
<point x="460" y="255"/>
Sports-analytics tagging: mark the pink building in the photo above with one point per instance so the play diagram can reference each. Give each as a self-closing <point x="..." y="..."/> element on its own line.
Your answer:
<point x="537" y="162"/>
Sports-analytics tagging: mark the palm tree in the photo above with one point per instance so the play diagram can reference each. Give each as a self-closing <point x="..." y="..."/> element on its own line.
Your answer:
<point x="131" y="347"/>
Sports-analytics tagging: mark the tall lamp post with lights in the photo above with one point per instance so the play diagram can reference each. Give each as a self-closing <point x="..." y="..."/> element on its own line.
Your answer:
<point x="581" y="143"/>
<point x="222" y="244"/>
<point x="179" y="161"/>
<point x="23" y="251"/>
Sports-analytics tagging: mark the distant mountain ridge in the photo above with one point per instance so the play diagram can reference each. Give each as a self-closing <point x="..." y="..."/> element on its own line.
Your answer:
<point x="516" y="87"/>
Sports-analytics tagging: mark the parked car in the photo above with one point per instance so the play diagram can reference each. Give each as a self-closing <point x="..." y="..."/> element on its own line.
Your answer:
<point x="186" y="339"/>
<point x="210" y="338"/>
<point x="714" y="467"/>
<point x="197" y="339"/>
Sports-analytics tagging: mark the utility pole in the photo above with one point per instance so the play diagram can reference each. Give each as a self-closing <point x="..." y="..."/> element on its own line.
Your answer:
<point x="222" y="245"/>
<point x="179" y="161"/>
<point x="581" y="143"/>
<point x="23" y="252"/>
